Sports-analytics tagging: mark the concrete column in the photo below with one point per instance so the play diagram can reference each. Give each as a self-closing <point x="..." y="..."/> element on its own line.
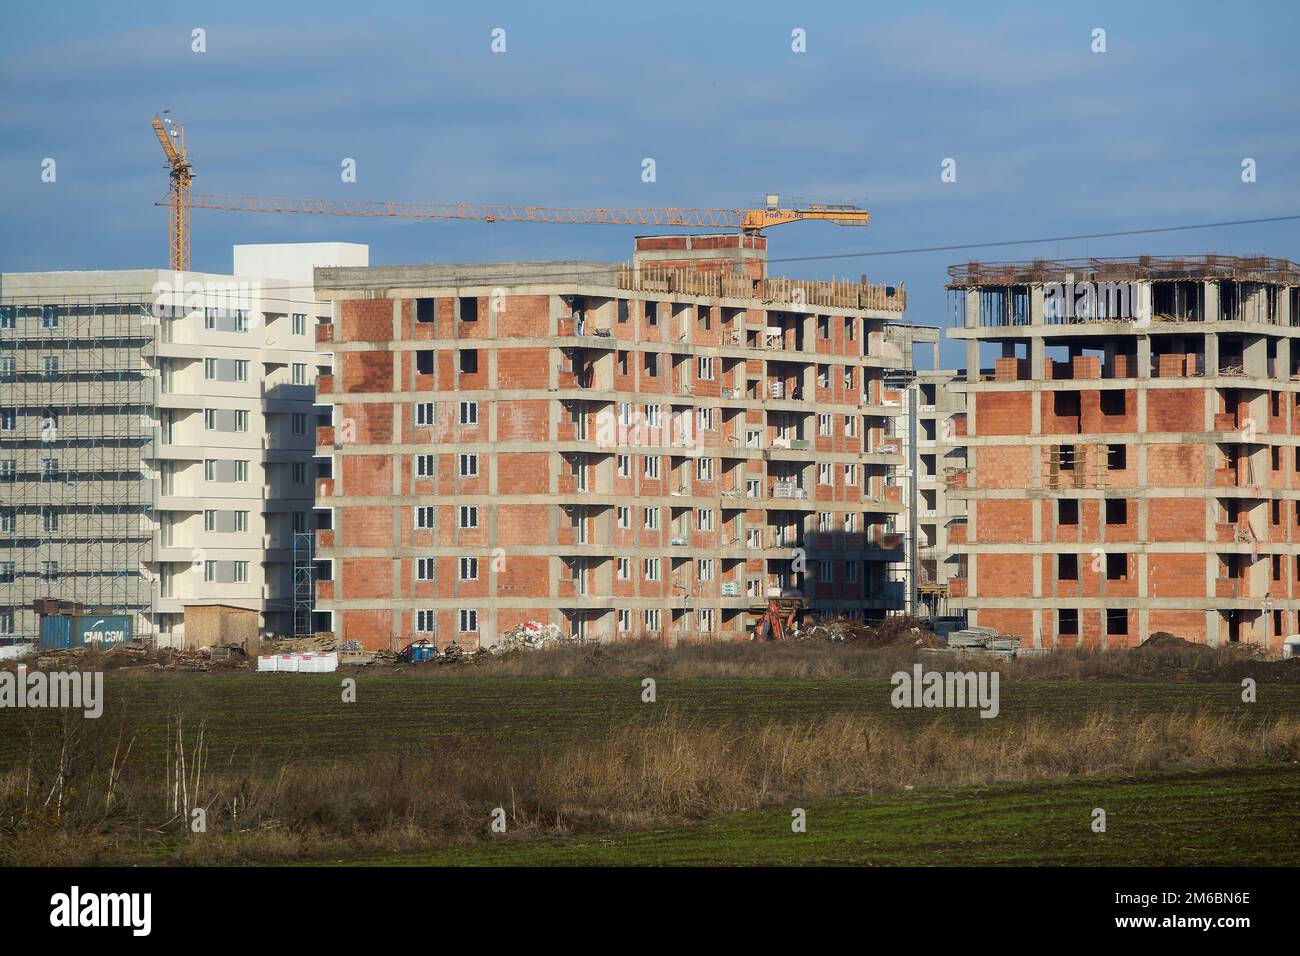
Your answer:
<point x="972" y="308"/>
<point x="1143" y="356"/>
<point x="1036" y="299"/>
<point x="1037" y="354"/>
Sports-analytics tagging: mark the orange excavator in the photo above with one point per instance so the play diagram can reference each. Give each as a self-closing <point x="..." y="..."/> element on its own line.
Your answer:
<point x="775" y="623"/>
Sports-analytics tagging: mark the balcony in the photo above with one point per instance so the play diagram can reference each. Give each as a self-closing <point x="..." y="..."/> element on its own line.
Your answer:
<point x="957" y="587"/>
<point x="324" y="333"/>
<point x="324" y="384"/>
<point x="1225" y="422"/>
<point x="788" y="490"/>
<point x="1226" y="478"/>
<point x="325" y="436"/>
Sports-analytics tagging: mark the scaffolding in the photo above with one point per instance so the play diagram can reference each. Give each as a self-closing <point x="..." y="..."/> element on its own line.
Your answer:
<point x="304" y="582"/>
<point x="78" y="387"/>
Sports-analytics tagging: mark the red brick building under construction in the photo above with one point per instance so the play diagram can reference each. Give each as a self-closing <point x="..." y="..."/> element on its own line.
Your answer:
<point x="1133" y="449"/>
<point x="650" y="449"/>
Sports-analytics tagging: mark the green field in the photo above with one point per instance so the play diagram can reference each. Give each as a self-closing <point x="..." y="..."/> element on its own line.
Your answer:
<point x="292" y="757"/>
<point x="255" y="718"/>
<point x="1244" y="817"/>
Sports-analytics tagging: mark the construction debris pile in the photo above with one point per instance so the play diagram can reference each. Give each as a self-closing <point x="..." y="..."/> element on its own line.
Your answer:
<point x="532" y="636"/>
<point x="894" y="631"/>
<point x="141" y="655"/>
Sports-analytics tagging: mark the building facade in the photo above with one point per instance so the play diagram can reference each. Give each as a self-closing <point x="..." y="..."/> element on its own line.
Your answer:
<point x="1133" y="447"/>
<point x="157" y="439"/>
<point x="653" y="449"/>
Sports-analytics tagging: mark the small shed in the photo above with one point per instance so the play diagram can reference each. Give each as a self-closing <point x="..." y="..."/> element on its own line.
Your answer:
<point x="210" y="624"/>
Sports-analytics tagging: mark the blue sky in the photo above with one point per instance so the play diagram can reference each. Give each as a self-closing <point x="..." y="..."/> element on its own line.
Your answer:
<point x="1050" y="138"/>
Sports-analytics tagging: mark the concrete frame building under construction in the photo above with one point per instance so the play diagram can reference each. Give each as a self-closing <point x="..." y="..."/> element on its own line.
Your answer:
<point x="1133" y="449"/>
<point x="651" y="449"/>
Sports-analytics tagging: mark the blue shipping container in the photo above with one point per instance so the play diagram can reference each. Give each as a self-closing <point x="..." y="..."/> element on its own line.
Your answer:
<point x="66" y="630"/>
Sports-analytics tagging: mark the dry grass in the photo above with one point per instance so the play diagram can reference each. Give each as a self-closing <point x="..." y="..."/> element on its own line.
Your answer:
<point x="671" y="771"/>
<point x="824" y="661"/>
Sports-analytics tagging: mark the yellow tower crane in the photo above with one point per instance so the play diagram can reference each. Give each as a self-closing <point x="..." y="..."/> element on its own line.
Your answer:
<point x="171" y="136"/>
<point x="751" y="221"/>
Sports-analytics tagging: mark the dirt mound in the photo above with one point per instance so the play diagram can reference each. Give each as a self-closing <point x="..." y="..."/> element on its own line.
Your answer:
<point x="1164" y="641"/>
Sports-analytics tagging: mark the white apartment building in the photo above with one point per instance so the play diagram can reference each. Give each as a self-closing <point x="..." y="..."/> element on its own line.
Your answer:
<point x="157" y="434"/>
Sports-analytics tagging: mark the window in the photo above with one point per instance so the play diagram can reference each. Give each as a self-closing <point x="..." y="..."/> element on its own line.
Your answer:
<point x="424" y="361"/>
<point x="851" y="522"/>
<point x="706" y="418"/>
<point x="651" y="364"/>
<point x="49" y="570"/>
<point x="851" y="572"/>
<point x="299" y="323"/>
<point x="753" y="487"/>
<point x="823" y="376"/>
<point x="823" y="473"/>
<point x="704" y="518"/>
<point x="299" y="521"/>
<point x="51" y="366"/>
<point x="426" y="569"/>
<point x="469" y="569"/>
<point x="704" y="569"/>
<point x="1067" y="621"/>
<point x="823" y="521"/>
<point x="1116" y="621"/>
<point x="426" y="310"/>
<point x="823" y="326"/>
<point x="1116" y="511"/>
<point x="8" y="419"/>
<point x="652" y="466"/>
<point x="49" y="469"/>
<point x="424" y="518"/>
<point x="469" y="413"/>
<point x="468" y="307"/>
<point x="823" y="424"/>
<point x="652" y="416"/>
<point x="850" y="476"/>
<point x="469" y="361"/>
<point x="299" y="373"/>
<point x="1067" y="511"/>
<point x="468" y="621"/>
<point x="425" y="621"/>
<point x="622" y="362"/>
<point x="1116" y="567"/>
<point x="49" y="316"/>
<point x="652" y="519"/>
<point x="625" y="620"/>
<point x="704" y="469"/>
<point x="851" y="426"/>
<point x="652" y="569"/>
<point x="299" y="473"/>
<point x="1067" y="567"/>
<point x="1116" y="457"/>
<point x="7" y="314"/>
<point x="753" y="537"/>
<point x="704" y="367"/>
<point x="7" y="519"/>
<point x="650" y="619"/>
<point x="625" y="466"/>
<point x="469" y="466"/>
<point x="624" y="514"/>
<point x="298" y="423"/>
<point x="424" y="466"/>
<point x="622" y="310"/>
<point x="424" y="414"/>
<point x="6" y="572"/>
<point x="824" y="572"/>
<point x="49" y="520"/>
<point x="652" y="313"/>
<point x="624" y="569"/>
<point x="469" y="516"/>
<point x="8" y="470"/>
<point x="704" y="618"/>
<point x="1112" y="401"/>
